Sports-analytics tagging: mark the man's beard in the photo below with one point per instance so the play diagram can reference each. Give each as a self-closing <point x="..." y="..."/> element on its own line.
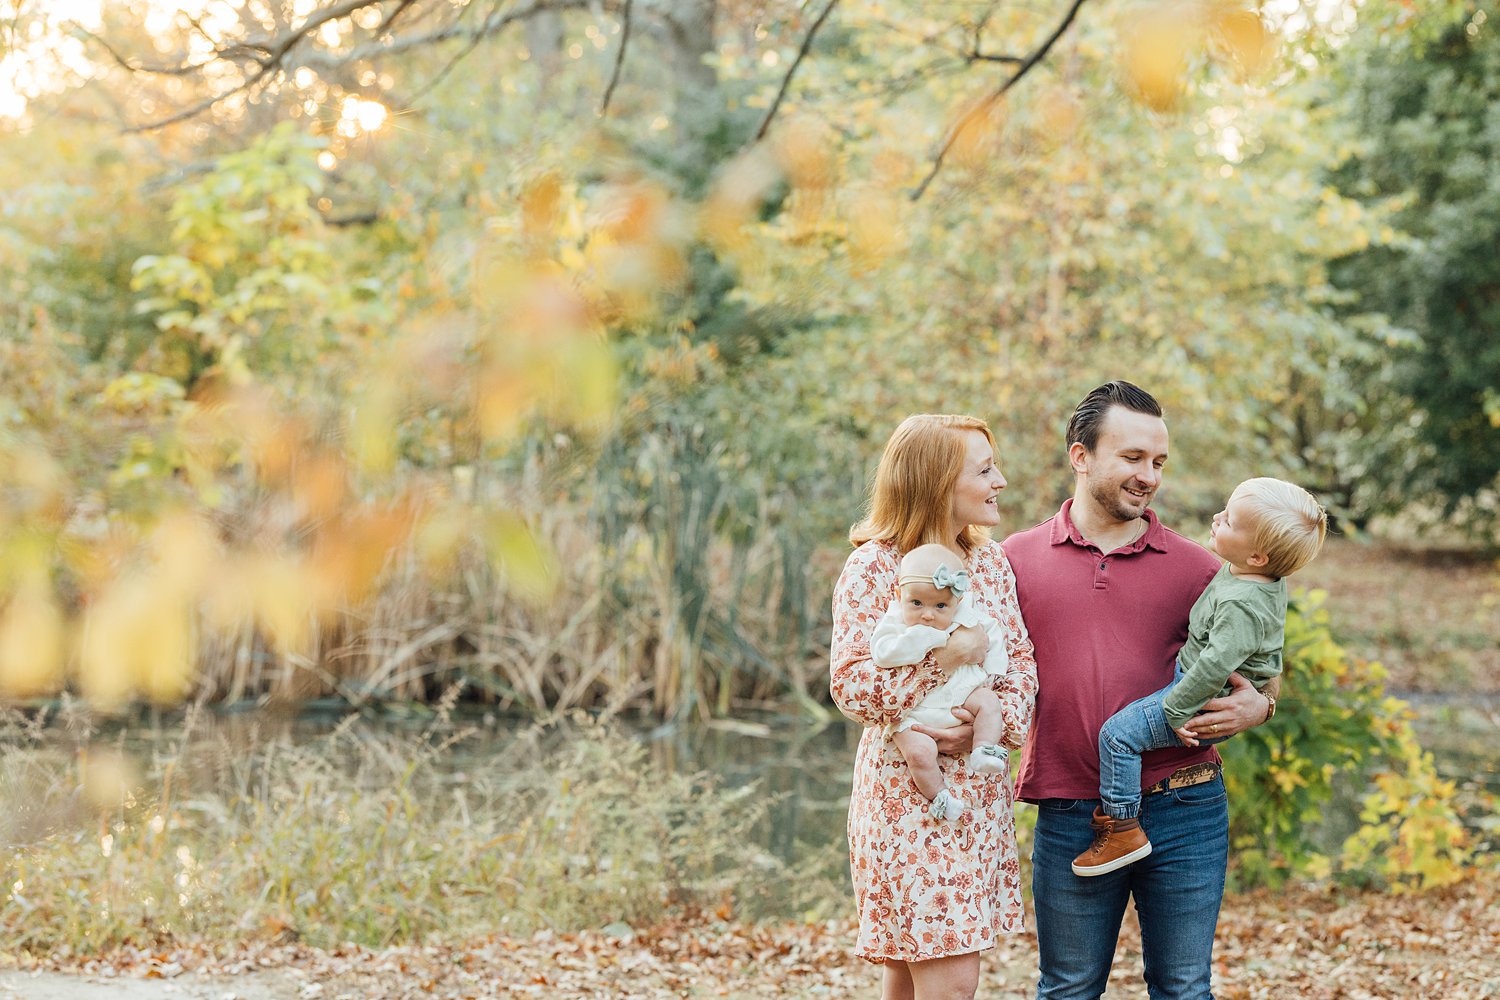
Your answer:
<point x="1107" y="496"/>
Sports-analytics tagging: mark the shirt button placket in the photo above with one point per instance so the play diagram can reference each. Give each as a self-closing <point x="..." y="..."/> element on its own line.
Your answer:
<point x="1101" y="581"/>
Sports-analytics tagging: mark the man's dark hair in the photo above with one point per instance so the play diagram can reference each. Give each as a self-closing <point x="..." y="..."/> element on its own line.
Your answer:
<point x="1087" y="418"/>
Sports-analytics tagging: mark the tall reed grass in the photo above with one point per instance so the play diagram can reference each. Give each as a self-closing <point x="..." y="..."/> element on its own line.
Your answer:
<point x="365" y="837"/>
<point x="658" y="600"/>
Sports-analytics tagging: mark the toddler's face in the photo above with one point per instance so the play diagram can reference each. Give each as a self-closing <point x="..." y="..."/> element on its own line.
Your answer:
<point x="924" y="604"/>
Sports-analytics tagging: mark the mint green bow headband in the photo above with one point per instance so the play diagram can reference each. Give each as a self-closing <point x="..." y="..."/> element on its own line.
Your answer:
<point x="943" y="578"/>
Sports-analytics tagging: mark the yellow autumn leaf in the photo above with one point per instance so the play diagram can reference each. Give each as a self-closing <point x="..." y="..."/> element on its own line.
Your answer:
<point x="279" y="595"/>
<point x="1156" y="45"/>
<point x="137" y="637"/>
<point x="524" y="560"/>
<point x="372" y="430"/>
<point x="804" y="149"/>
<point x="31" y="644"/>
<point x="975" y="139"/>
<point x="1243" y="37"/>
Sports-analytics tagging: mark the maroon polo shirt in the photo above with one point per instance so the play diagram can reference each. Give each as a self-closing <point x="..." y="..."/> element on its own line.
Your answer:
<point x="1106" y="627"/>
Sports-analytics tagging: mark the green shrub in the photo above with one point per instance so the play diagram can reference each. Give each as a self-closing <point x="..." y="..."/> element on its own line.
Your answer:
<point x="1336" y="736"/>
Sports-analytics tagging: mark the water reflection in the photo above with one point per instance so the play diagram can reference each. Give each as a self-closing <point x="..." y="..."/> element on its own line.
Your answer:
<point x="803" y="769"/>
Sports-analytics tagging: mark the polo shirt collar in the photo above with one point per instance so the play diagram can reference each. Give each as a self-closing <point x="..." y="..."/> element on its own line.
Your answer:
<point x="1063" y="530"/>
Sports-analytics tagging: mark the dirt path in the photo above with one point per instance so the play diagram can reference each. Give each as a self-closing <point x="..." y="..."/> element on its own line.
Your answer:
<point x="189" y="986"/>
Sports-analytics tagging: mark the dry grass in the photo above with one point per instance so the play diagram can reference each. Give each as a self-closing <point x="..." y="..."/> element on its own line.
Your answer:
<point x="635" y="627"/>
<point x="627" y="625"/>
<point x="1430" y="616"/>
<point x="361" y="836"/>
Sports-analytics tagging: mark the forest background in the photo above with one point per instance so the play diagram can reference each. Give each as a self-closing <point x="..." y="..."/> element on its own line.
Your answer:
<point x="533" y="357"/>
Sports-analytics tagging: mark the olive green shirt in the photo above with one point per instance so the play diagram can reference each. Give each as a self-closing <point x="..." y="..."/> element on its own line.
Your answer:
<point x="1236" y="624"/>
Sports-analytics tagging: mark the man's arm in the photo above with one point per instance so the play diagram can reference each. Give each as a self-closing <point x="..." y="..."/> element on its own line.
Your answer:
<point x="1243" y="708"/>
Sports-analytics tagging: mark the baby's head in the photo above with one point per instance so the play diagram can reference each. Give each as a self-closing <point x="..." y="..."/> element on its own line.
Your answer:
<point x="931" y="580"/>
<point x="1283" y="523"/>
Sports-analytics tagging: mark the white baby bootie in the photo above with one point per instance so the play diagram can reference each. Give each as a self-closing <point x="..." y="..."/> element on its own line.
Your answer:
<point x="946" y="806"/>
<point x="988" y="758"/>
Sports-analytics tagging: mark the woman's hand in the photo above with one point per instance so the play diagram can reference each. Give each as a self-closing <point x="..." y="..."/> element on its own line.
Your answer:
<point x="968" y="644"/>
<point x="1243" y="708"/>
<point x="957" y="741"/>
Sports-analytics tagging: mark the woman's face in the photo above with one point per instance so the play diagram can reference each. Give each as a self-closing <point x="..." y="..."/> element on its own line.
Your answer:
<point x="975" y="495"/>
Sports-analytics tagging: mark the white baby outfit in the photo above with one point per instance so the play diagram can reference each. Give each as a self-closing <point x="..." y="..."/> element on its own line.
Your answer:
<point x="896" y="644"/>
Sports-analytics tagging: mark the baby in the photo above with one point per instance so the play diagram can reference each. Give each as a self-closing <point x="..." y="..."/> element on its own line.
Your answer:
<point x="932" y="605"/>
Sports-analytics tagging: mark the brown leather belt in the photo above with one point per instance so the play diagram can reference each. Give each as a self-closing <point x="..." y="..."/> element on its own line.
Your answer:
<point x="1193" y="774"/>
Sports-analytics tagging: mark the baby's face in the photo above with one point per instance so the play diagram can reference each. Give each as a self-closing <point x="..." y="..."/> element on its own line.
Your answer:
<point x="924" y="604"/>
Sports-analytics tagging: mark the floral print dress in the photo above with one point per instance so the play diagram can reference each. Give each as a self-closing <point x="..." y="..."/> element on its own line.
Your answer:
<point x="926" y="889"/>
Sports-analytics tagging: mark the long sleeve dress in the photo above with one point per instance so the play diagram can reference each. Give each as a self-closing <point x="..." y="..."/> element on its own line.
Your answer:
<point x="926" y="889"/>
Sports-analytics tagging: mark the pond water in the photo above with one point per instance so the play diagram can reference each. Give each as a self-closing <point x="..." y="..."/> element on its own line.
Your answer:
<point x="803" y="768"/>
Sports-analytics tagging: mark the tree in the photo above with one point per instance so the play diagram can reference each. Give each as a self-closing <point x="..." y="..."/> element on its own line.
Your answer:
<point x="1424" y="96"/>
<point x="226" y="66"/>
<point x="480" y="264"/>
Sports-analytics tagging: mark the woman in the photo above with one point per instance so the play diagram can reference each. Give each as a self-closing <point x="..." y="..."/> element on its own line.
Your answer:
<point x="931" y="895"/>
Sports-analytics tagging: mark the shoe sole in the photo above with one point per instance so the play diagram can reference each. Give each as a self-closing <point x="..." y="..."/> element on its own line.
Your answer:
<point x="1117" y="863"/>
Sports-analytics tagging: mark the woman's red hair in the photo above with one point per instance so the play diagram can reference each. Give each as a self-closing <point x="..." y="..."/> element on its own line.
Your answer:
<point x="911" y="499"/>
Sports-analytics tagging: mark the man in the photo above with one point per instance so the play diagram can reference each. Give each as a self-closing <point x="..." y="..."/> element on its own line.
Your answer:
<point x="1105" y="590"/>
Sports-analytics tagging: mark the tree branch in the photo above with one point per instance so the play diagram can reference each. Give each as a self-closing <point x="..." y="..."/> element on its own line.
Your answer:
<point x="458" y="57"/>
<point x="974" y="55"/>
<point x="276" y="53"/>
<point x="983" y="107"/>
<point x="495" y="23"/>
<point x="614" y="76"/>
<point x="187" y="69"/>
<point x="270" y="56"/>
<point x="786" y="81"/>
<point x="977" y="56"/>
<point x="385" y="24"/>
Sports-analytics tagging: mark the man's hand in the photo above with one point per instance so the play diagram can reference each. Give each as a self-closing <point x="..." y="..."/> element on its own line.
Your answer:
<point x="957" y="741"/>
<point x="1243" y="708"/>
<point x="968" y="644"/>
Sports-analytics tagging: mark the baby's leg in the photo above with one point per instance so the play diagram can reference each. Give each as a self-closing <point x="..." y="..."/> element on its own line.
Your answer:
<point x="985" y="704"/>
<point x="989" y="757"/>
<point x="922" y="760"/>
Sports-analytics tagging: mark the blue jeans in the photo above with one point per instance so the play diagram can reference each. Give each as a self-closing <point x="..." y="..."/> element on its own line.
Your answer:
<point x="1140" y="726"/>
<point x="1177" y="890"/>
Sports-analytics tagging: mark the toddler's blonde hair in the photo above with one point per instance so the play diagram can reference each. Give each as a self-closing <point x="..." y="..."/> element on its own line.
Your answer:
<point x="1288" y="524"/>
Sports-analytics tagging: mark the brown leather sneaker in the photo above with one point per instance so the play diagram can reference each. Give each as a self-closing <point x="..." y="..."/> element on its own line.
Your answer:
<point x="1117" y="843"/>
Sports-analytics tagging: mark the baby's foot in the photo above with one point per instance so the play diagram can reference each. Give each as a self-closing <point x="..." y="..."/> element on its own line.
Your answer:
<point x="988" y="758"/>
<point x="946" y="806"/>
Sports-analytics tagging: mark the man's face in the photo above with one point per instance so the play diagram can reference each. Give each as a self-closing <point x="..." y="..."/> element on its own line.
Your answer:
<point x="1123" y="471"/>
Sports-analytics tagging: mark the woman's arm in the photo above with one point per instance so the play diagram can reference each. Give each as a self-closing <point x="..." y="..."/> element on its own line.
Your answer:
<point x="1017" y="686"/>
<point x="866" y="694"/>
